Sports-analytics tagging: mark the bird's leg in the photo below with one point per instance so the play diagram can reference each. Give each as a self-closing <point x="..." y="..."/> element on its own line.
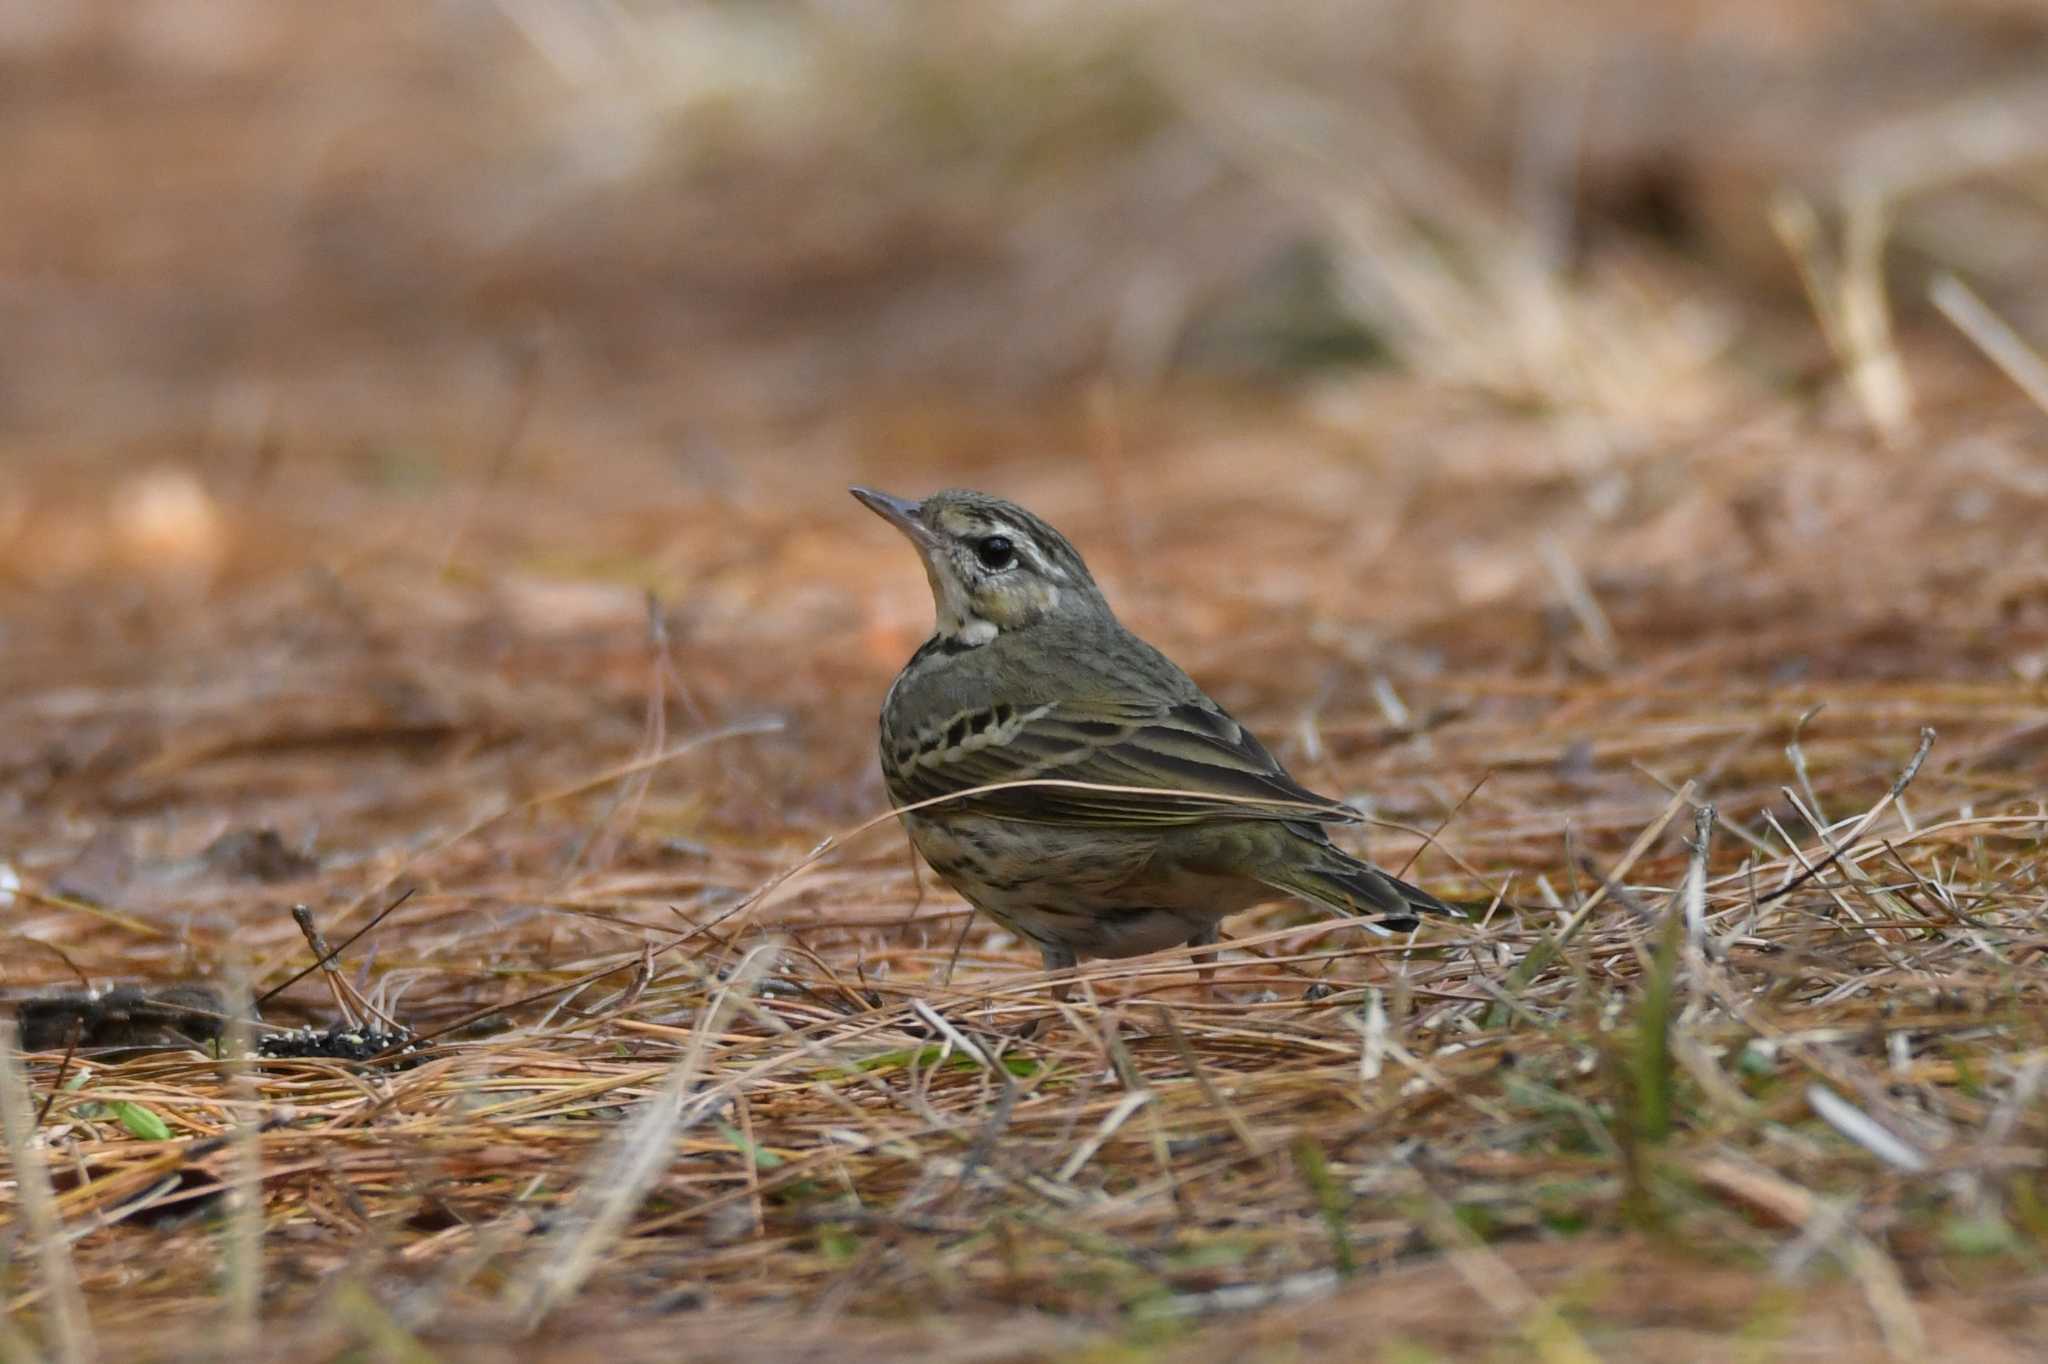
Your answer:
<point x="1055" y="958"/>
<point x="1058" y="957"/>
<point x="1205" y="969"/>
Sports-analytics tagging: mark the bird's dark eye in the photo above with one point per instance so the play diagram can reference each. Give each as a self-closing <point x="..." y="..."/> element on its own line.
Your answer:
<point x="995" y="552"/>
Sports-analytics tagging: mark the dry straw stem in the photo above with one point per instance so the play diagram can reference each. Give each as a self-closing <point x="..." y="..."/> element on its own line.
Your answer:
<point x="1467" y="291"/>
<point x="1545" y="1330"/>
<point x="70" y="1330"/>
<point x="2003" y="346"/>
<point x="1822" y="1223"/>
<point x="619" y="1177"/>
<point x="631" y="768"/>
<point x="244" y="1286"/>
<point x="1849" y="299"/>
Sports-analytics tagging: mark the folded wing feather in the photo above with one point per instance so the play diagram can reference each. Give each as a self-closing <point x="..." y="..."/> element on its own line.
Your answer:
<point x="1212" y="766"/>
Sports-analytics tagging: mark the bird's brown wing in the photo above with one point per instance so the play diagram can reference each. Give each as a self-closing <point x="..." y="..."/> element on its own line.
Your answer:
<point x="1197" y="762"/>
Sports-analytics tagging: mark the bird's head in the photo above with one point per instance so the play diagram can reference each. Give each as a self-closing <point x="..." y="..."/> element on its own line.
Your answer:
<point x="993" y="566"/>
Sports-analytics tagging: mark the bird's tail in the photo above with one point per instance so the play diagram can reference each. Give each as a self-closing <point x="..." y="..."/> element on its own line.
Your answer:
<point x="1329" y="876"/>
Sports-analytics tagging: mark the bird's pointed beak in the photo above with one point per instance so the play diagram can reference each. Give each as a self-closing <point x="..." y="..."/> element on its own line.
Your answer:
<point x="898" y="512"/>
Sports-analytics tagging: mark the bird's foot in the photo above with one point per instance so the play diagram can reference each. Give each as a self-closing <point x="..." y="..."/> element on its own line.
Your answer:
<point x="1207" y="953"/>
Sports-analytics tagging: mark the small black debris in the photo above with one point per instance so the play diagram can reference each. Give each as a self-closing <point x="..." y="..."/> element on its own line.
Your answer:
<point x="398" y="1047"/>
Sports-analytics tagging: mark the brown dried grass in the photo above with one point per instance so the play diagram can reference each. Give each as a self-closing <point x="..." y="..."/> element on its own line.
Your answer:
<point x="1470" y="1138"/>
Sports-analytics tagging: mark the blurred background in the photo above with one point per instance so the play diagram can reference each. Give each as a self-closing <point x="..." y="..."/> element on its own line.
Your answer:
<point x="744" y="246"/>
<point x="372" y="375"/>
<point x="768" y="205"/>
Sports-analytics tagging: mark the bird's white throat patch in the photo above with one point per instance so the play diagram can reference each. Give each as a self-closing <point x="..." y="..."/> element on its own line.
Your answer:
<point x="958" y="621"/>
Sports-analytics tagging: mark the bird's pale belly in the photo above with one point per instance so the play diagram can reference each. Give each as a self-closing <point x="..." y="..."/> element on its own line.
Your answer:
<point x="1103" y="893"/>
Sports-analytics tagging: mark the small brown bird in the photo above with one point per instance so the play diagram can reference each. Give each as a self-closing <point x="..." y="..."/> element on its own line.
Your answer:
<point x="1030" y="676"/>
